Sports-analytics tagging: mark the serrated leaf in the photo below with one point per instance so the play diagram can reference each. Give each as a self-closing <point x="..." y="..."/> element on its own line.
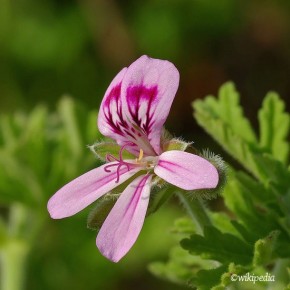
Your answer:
<point x="227" y="108"/>
<point x="223" y="119"/>
<point x="274" y="127"/>
<point x="226" y="247"/>
<point x="219" y="117"/>
<point x="238" y="199"/>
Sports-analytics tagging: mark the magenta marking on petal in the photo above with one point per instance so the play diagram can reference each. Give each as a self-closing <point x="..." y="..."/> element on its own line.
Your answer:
<point x="123" y="224"/>
<point x="137" y="192"/>
<point x="136" y="195"/>
<point x="138" y="96"/>
<point x="168" y="165"/>
<point x="114" y="97"/>
<point x="104" y="180"/>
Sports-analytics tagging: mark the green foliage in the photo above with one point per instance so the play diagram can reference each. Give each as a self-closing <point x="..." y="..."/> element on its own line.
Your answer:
<point x="274" y="127"/>
<point x="42" y="150"/>
<point x="264" y="248"/>
<point x="253" y="234"/>
<point x="226" y="247"/>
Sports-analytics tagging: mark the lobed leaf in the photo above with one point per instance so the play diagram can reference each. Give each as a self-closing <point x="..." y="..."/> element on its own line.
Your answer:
<point x="274" y="127"/>
<point x="226" y="247"/>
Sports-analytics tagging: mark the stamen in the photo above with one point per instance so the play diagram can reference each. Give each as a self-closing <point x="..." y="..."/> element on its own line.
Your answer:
<point x="140" y="155"/>
<point x="120" y="162"/>
<point x="118" y="169"/>
<point x="110" y="158"/>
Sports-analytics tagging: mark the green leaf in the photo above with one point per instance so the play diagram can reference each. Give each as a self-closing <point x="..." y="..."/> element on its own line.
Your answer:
<point x="180" y="267"/>
<point x="238" y="199"/>
<point x="222" y="222"/>
<point x="274" y="127"/>
<point x="206" y="279"/>
<point x="232" y="269"/>
<point x="18" y="182"/>
<point x="69" y="113"/>
<point x="183" y="226"/>
<point x="227" y="109"/>
<point x="222" y="247"/>
<point x="255" y="190"/>
<point x="223" y="119"/>
<point x="264" y="248"/>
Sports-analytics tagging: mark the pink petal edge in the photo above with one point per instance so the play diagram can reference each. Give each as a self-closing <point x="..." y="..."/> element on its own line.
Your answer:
<point x="123" y="225"/>
<point x="187" y="171"/>
<point x="85" y="189"/>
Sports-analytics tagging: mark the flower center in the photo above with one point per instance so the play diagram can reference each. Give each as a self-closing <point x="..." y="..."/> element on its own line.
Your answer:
<point x="146" y="163"/>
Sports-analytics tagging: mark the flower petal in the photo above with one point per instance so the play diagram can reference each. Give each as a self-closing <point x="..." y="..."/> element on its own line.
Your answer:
<point x="136" y="114"/>
<point x="85" y="189"/>
<point x="110" y="118"/>
<point x="123" y="225"/>
<point x="187" y="171"/>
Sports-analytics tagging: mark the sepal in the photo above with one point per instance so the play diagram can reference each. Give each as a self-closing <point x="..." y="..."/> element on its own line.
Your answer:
<point x="100" y="211"/>
<point x="221" y="167"/>
<point x="101" y="149"/>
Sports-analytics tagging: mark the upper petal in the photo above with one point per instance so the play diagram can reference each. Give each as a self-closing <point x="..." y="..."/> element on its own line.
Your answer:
<point x="147" y="91"/>
<point x="123" y="225"/>
<point x="187" y="171"/>
<point x="110" y="118"/>
<point x="85" y="189"/>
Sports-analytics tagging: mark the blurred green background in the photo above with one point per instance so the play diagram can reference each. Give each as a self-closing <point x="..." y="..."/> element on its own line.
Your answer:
<point x="52" y="48"/>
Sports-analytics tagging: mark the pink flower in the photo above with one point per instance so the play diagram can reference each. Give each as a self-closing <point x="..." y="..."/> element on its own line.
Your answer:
<point x="133" y="113"/>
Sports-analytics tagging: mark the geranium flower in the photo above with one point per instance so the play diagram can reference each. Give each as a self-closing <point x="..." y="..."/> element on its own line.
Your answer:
<point x="133" y="113"/>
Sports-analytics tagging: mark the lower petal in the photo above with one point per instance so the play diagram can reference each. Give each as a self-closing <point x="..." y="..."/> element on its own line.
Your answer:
<point x="123" y="225"/>
<point x="187" y="171"/>
<point x="82" y="191"/>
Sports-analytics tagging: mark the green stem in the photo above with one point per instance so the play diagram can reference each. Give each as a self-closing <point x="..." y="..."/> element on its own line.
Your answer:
<point x="14" y="250"/>
<point x="13" y="260"/>
<point x="195" y="209"/>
